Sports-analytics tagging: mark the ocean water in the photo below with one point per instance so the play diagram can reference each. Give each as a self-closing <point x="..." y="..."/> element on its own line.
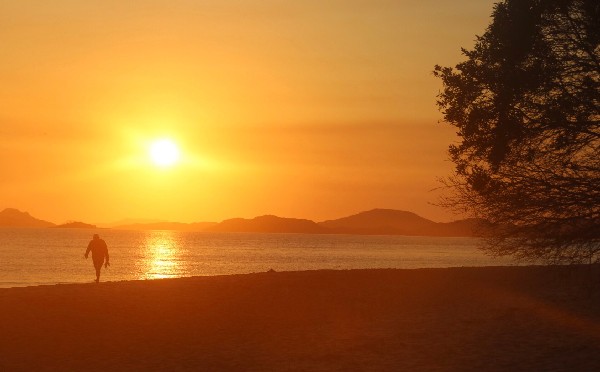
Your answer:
<point x="51" y="256"/>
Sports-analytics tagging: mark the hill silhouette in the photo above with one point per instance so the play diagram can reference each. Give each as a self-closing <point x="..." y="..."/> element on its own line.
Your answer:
<point x="396" y="222"/>
<point x="268" y="224"/>
<point x="11" y="217"/>
<point x="381" y="222"/>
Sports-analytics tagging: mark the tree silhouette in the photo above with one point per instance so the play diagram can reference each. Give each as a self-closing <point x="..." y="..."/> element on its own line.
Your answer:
<point x="526" y="105"/>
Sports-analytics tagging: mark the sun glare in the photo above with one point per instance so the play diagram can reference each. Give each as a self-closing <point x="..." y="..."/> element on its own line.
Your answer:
<point x="164" y="153"/>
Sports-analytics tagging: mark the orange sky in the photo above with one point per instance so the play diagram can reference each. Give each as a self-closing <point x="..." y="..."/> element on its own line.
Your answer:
<point x="311" y="109"/>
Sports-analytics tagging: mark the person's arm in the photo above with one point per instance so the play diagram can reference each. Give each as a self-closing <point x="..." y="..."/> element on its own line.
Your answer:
<point x="89" y="248"/>
<point x="107" y="263"/>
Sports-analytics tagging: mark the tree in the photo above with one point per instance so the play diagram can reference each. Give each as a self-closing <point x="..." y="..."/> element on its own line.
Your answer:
<point x="526" y="105"/>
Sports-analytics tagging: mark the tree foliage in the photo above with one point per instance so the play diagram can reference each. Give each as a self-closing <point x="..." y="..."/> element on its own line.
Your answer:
<point x="526" y="105"/>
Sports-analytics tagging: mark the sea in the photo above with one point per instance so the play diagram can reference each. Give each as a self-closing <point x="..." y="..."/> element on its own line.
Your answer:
<point x="48" y="256"/>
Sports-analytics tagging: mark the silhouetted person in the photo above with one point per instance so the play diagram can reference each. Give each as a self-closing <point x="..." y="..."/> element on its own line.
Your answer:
<point x="99" y="254"/>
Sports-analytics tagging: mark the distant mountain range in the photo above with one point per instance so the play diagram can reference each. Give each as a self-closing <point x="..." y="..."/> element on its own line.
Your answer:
<point x="373" y="222"/>
<point x="269" y="224"/>
<point x="75" y="225"/>
<point x="180" y="226"/>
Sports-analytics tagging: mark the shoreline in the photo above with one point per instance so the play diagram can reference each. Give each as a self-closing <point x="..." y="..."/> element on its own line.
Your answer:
<point x="60" y="284"/>
<point x="468" y="318"/>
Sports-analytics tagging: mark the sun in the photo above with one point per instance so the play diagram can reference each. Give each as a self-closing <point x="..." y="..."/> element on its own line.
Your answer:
<point x="164" y="153"/>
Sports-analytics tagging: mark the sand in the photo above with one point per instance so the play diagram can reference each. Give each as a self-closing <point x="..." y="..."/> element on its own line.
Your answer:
<point x="460" y="319"/>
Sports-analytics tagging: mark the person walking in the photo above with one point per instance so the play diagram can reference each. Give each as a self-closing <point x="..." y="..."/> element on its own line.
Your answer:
<point x="99" y="251"/>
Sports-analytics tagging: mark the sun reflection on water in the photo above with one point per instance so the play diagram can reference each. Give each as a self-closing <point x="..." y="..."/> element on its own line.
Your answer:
<point x="162" y="255"/>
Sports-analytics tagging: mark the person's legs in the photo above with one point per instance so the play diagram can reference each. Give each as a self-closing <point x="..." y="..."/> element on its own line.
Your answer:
<point x="98" y="267"/>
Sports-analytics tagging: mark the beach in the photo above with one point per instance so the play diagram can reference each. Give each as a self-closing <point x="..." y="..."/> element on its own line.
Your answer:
<point x="455" y="319"/>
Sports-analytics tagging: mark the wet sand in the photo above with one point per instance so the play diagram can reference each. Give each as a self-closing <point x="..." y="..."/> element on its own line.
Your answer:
<point x="460" y="319"/>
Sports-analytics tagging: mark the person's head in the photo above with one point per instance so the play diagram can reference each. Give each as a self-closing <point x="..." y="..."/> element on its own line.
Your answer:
<point x="96" y="237"/>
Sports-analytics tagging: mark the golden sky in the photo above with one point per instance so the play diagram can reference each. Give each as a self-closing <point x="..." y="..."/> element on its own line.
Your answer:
<point x="310" y="109"/>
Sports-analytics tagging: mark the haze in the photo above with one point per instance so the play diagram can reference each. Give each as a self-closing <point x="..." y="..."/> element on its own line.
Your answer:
<point x="305" y="109"/>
